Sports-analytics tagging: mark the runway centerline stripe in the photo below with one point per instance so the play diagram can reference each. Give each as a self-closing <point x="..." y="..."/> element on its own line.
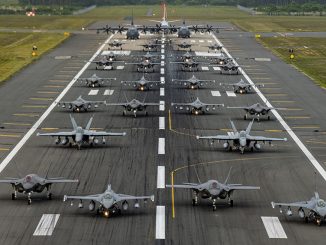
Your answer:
<point x="46" y="225"/>
<point x="295" y="138"/>
<point x="273" y="227"/>
<point x="162" y="80"/>
<point x="162" y="71"/>
<point x="162" y="92"/>
<point x="160" y="177"/>
<point x="162" y="105"/>
<point x="160" y="222"/>
<point x="161" y="146"/>
<point x="162" y="123"/>
<point x="20" y="144"/>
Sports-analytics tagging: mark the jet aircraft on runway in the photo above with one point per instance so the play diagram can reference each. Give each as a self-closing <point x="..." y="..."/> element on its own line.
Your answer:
<point x="144" y="65"/>
<point x="116" y="44"/>
<point x="95" y="80"/>
<point x="133" y="106"/>
<point x="316" y="207"/>
<point x="150" y="46"/>
<point x="189" y="65"/>
<point x="33" y="183"/>
<point x="242" y="86"/>
<point x="196" y="106"/>
<point x="214" y="47"/>
<point x="184" y="45"/>
<point x="80" y="104"/>
<point x="241" y="140"/>
<point x="214" y="190"/>
<point x="109" y="201"/>
<point x="193" y="82"/>
<point x="80" y="135"/>
<point x="105" y="62"/>
<point x="142" y="84"/>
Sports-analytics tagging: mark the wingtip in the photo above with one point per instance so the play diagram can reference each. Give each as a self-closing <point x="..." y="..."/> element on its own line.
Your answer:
<point x="273" y="204"/>
<point x="152" y="198"/>
<point x="65" y="198"/>
<point x="197" y="137"/>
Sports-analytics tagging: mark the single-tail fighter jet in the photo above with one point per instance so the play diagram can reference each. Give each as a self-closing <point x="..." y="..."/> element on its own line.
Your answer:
<point x="116" y="44"/>
<point x="193" y="82"/>
<point x="79" y="104"/>
<point x="109" y="201"/>
<point x="241" y="140"/>
<point x="189" y="65"/>
<point x="147" y="57"/>
<point x="214" y="47"/>
<point x="150" y="46"/>
<point x="184" y="45"/>
<point x="229" y="67"/>
<point x="213" y="190"/>
<point x="134" y="106"/>
<point x="80" y="136"/>
<point x="142" y="84"/>
<point x="196" y="106"/>
<point x="242" y="87"/>
<point x="316" y="209"/>
<point x="105" y="63"/>
<point x="144" y="65"/>
<point x="95" y="80"/>
<point x="33" y="183"/>
<point x="256" y="110"/>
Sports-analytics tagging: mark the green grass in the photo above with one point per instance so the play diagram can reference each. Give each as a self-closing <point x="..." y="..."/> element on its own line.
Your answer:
<point x="310" y="54"/>
<point x="16" y="50"/>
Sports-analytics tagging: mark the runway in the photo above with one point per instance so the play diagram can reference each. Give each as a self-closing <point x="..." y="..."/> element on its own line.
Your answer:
<point x="164" y="141"/>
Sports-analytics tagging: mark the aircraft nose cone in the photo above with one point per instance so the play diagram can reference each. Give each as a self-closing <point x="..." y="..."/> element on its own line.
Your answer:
<point x="243" y="142"/>
<point x="214" y="192"/>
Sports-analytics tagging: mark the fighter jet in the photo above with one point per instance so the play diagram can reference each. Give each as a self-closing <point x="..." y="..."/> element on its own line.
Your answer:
<point x="189" y="65"/>
<point x="256" y="110"/>
<point x="228" y="66"/>
<point x="150" y="46"/>
<point x="316" y="207"/>
<point x="147" y="57"/>
<point x="80" y="136"/>
<point x="105" y="63"/>
<point x="241" y="140"/>
<point x="33" y="183"/>
<point x="215" y="47"/>
<point x="144" y="65"/>
<point x="116" y="44"/>
<point x="242" y="86"/>
<point x="133" y="106"/>
<point x="95" y="80"/>
<point x="214" y="190"/>
<point x="184" y="45"/>
<point x="108" y="201"/>
<point x="186" y="57"/>
<point x="142" y="84"/>
<point x="196" y="106"/>
<point x="80" y="104"/>
<point x="193" y="82"/>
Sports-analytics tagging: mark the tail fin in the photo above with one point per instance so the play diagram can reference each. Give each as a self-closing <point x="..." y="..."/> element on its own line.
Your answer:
<point x="125" y="97"/>
<point x="73" y="122"/>
<point x="316" y="195"/>
<point x="132" y="17"/>
<point x="88" y="126"/>
<point x="233" y="127"/>
<point x="109" y="187"/>
<point x="165" y="14"/>
<point x="227" y="178"/>
<point x="249" y="126"/>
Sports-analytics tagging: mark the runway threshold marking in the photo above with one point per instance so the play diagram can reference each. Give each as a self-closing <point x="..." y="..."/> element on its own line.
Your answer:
<point x="205" y="68"/>
<point x="295" y="138"/>
<point x="161" y="146"/>
<point x="46" y="225"/>
<point x="161" y="123"/>
<point x="162" y="92"/>
<point x="108" y="92"/>
<point x="216" y="93"/>
<point x="93" y="92"/>
<point x="30" y="132"/>
<point x="216" y="68"/>
<point x="160" y="222"/>
<point x="273" y="227"/>
<point x="230" y="93"/>
<point x="160" y="177"/>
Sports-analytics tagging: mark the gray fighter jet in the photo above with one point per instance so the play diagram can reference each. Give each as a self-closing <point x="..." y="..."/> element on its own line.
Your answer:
<point x="184" y="45"/>
<point x="193" y="82"/>
<point x="241" y="140"/>
<point x="142" y="84"/>
<point x="242" y="86"/>
<point x="214" y="47"/>
<point x="228" y="66"/>
<point x="214" y="190"/>
<point x="80" y="104"/>
<point x="105" y="63"/>
<point x="189" y="65"/>
<point x="109" y="201"/>
<point x="95" y="80"/>
<point x="147" y="57"/>
<point x="116" y="44"/>
<point x="316" y="207"/>
<point x="144" y="65"/>
<point x="150" y="46"/>
<point x="33" y="183"/>
<point x="133" y="106"/>
<point x="80" y="136"/>
<point x="256" y="110"/>
<point x="196" y="106"/>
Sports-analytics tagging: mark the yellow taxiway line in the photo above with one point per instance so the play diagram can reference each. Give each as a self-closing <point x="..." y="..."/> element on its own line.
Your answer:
<point x="46" y="99"/>
<point x="10" y="135"/>
<point x="25" y="115"/>
<point x="297" y="117"/>
<point x="4" y="149"/>
<point x="18" y="124"/>
<point x="34" y="106"/>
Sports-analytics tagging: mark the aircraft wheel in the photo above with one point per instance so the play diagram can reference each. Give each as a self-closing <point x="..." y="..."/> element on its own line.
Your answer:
<point x="214" y="207"/>
<point x="245" y="117"/>
<point x="119" y="212"/>
<point x="13" y="196"/>
<point x="146" y="113"/>
<point x="91" y="144"/>
<point x="70" y="144"/>
<point x="194" y="203"/>
<point x="318" y="221"/>
<point x="306" y="219"/>
<point x="123" y="113"/>
<point x="50" y="196"/>
<point x="29" y="201"/>
<point x="231" y="203"/>
<point x="78" y="147"/>
<point x="96" y="68"/>
<point x="268" y="118"/>
<point x="252" y="149"/>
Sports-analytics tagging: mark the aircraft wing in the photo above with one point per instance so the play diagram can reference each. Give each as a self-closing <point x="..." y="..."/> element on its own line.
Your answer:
<point x="218" y="137"/>
<point x="185" y="186"/>
<point x="123" y="197"/>
<point x="231" y="187"/>
<point x="116" y="104"/>
<point x="302" y="204"/>
<point x="96" y="197"/>
<point x="181" y="104"/>
<point x="9" y="180"/>
<point x="262" y="138"/>
<point x="60" y="180"/>
<point x="150" y="104"/>
<point x="57" y="134"/>
<point x="103" y="133"/>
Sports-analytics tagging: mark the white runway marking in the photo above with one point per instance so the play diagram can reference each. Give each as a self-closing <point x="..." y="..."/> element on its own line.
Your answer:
<point x="162" y="105"/>
<point x="162" y="56"/>
<point x="162" y="92"/>
<point x="295" y="138"/>
<point x="193" y="41"/>
<point x="162" y="63"/>
<point x="201" y="53"/>
<point x="201" y="41"/>
<point x="230" y="94"/>
<point x="46" y="225"/>
<point x="162" y="71"/>
<point x="216" y="68"/>
<point x="216" y="93"/>
<point x="30" y="132"/>
<point x="93" y="92"/>
<point x="273" y="227"/>
<point x="161" y="123"/>
<point x="117" y="52"/>
<point x="107" y="67"/>
<point x="209" y="41"/>
<point x="162" y="80"/>
<point x="162" y="51"/>
<point x="160" y="222"/>
<point x="108" y="92"/>
<point x="120" y="67"/>
<point x="160" y="177"/>
<point x="205" y="68"/>
<point x="161" y="146"/>
<point x="162" y="46"/>
<point x="201" y="33"/>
